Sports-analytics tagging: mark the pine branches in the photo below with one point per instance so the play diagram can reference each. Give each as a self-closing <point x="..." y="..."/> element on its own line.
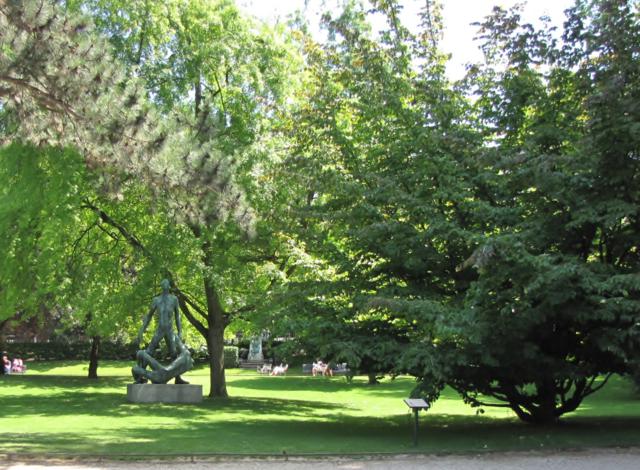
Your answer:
<point x="59" y="78"/>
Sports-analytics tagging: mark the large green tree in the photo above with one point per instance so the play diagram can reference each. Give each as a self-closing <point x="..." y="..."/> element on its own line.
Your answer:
<point x="489" y="245"/>
<point x="208" y="114"/>
<point x="234" y="76"/>
<point x="385" y="155"/>
<point x="556" y="306"/>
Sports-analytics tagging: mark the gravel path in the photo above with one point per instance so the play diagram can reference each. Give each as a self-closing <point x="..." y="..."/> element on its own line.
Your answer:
<point x="614" y="459"/>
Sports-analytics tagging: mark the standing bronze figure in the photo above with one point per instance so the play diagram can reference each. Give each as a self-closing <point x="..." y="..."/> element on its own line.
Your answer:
<point x="165" y="307"/>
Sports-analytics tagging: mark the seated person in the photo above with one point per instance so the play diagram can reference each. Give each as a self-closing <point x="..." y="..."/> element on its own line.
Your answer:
<point x="18" y="366"/>
<point x="6" y="364"/>
<point x="317" y="366"/>
<point x="280" y="370"/>
<point x="322" y="368"/>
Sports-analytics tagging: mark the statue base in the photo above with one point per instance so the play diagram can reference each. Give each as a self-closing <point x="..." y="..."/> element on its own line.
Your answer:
<point x="164" y="393"/>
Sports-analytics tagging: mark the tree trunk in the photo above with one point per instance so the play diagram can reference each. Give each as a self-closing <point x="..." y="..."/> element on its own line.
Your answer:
<point x="545" y="412"/>
<point x="215" y="339"/>
<point x="198" y="96"/>
<point x="540" y="409"/>
<point x="2" y="324"/>
<point x="215" y="344"/>
<point x="93" y="357"/>
<point x="216" y="323"/>
<point x="373" y="379"/>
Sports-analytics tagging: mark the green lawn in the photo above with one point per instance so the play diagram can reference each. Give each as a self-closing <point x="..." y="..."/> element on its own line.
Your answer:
<point x="54" y="409"/>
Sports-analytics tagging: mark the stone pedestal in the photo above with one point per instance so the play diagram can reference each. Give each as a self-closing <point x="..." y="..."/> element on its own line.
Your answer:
<point x="164" y="393"/>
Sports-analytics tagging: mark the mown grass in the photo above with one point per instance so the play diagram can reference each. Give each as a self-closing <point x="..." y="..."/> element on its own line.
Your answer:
<point x="55" y="409"/>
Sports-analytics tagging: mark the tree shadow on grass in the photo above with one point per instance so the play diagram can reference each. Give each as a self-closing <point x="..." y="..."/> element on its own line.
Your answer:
<point x="337" y="434"/>
<point x="80" y="366"/>
<point x="268" y="425"/>
<point x="267" y="406"/>
<point x="387" y="387"/>
<point x="65" y="381"/>
<point x="298" y="384"/>
<point x="74" y="396"/>
<point x="195" y="436"/>
<point x="464" y="433"/>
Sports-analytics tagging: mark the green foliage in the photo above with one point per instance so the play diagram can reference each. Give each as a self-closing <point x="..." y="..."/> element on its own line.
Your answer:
<point x="176" y="131"/>
<point x="92" y="104"/>
<point x="60" y="256"/>
<point x="482" y="234"/>
<point x="40" y="189"/>
<point x="384" y="157"/>
<point x="231" y="357"/>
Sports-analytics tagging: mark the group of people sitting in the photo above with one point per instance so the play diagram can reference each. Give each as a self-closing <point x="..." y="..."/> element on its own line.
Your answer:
<point x="280" y="370"/>
<point x="13" y="367"/>
<point x="276" y="370"/>
<point x="321" y="368"/>
<point x="318" y="368"/>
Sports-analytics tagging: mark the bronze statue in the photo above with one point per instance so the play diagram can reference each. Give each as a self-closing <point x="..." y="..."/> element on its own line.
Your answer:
<point x="165" y="306"/>
<point x="160" y="374"/>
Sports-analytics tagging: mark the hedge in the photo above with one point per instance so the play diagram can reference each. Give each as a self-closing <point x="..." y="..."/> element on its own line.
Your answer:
<point x="59" y="351"/>
<point x="231" y="357"/>
<point x="63" y="351"/>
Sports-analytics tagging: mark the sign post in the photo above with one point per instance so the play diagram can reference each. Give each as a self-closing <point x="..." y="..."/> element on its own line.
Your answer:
<point x="416" y="404"/>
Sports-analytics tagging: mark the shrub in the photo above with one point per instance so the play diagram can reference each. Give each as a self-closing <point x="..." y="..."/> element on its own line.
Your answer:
<point x="230" y="356"/>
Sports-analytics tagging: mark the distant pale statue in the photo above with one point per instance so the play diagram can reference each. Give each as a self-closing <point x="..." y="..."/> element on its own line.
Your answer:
<point x="255" y="349"/>
<point x="166" y="309"/>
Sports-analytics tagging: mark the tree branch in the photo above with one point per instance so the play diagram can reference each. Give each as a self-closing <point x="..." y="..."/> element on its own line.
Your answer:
<point x="191" y="302"/>
<point x="106" y="218"/>
<point x="203" y="330"/>
<point x="45" y="98"/>
<point x="590" y="389"/>
<point x="224" y="110"/>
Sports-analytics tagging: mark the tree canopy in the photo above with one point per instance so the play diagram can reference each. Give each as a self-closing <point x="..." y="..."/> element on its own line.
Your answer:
<point x="481" y="235"/>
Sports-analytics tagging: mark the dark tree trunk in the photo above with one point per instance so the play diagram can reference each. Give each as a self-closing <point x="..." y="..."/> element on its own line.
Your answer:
<point x="217" y="325"/>
<point x="543" y="408"/>
<point x="198" y="96"/>
<point x="373" y="379"/>
<point x="2" y="324"/>
<point x="546" y="412"/>
<point x="552" y="399"/>
<point x="93" y="357"/>
<point x="215" y="344"/>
